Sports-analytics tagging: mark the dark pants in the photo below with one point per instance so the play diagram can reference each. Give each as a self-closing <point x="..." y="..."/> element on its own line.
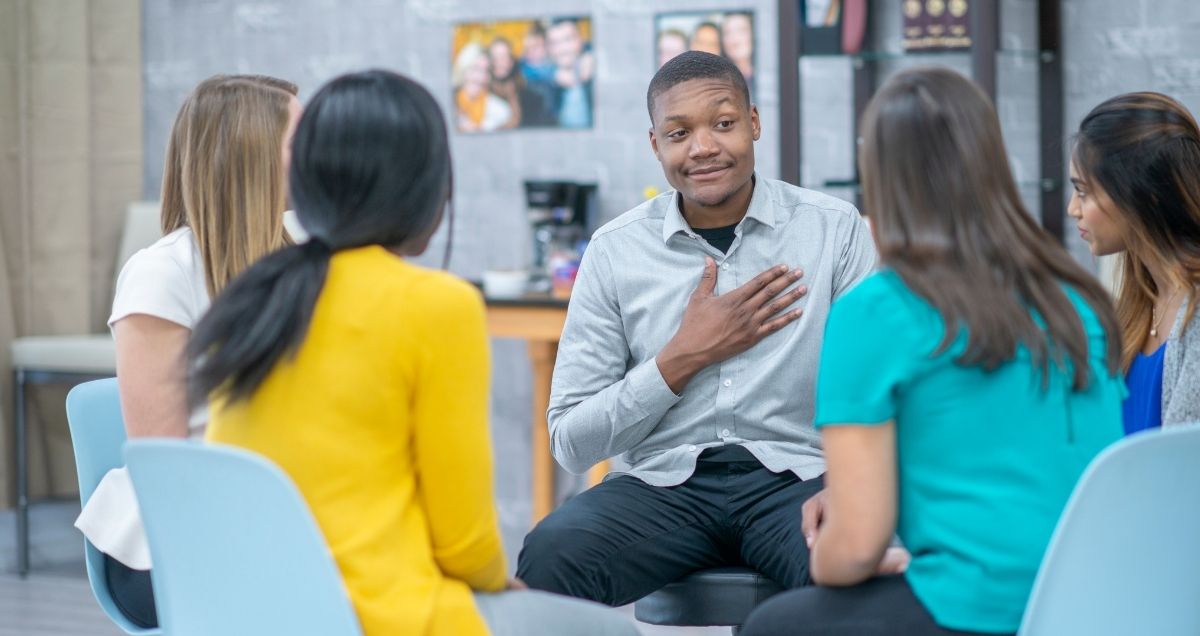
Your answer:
<point x="623" y="539"/>
<point x="879" y="607"/>
<point x="131" y="592"/>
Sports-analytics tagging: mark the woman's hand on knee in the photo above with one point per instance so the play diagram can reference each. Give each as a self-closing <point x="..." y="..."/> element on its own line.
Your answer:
<point x="895" y="561"/>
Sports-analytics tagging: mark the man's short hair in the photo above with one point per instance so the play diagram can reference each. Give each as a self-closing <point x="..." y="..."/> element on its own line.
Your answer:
<point x="694" y="65"/>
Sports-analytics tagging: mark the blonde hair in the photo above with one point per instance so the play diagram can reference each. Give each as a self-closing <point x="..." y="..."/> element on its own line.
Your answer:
<point x="470" y="53"/>
<point x="223" y="175"/>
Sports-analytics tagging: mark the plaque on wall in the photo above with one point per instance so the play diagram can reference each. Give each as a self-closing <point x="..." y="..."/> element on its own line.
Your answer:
<point x="936" y="25"/>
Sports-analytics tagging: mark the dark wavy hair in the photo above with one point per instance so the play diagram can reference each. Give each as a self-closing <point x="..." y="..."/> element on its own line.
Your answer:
<point x="948" y="218"/>
<point x="1143" y="150"/>
<point x="370" y="166"/>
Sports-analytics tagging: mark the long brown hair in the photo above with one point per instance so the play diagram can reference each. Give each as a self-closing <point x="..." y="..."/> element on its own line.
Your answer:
<point x="173" y="215"/>
<point x="947" y="217"/>
<point x="223" y="175"/>
<point x="1143" y="151"/>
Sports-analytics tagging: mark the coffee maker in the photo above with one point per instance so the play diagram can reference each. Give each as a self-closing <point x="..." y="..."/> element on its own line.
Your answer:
<point x="558" y="214"/>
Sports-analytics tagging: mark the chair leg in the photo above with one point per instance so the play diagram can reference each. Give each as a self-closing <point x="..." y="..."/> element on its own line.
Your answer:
<point x="22" y="453"/>
<point x="44" y="441"/>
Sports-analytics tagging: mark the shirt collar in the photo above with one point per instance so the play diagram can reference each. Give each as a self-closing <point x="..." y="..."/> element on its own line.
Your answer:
<point x="760" y="210"/>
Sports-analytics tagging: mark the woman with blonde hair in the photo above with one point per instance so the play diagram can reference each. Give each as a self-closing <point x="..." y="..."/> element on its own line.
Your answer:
<point x="477" y="108"/>
<point x="223" y="199"/>
<point x="1136" y="172"/>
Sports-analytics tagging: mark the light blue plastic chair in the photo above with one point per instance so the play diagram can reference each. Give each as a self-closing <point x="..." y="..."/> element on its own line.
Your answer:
<point x="97" y="434"/>
<point x="235" y="548"/>
<point x="1125" y="558"/>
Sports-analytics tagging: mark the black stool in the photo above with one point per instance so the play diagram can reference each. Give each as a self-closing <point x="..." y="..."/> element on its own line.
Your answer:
<point x="720" y="596"/>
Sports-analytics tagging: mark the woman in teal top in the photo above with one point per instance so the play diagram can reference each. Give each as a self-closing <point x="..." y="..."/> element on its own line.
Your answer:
<point x="962" y="389"/>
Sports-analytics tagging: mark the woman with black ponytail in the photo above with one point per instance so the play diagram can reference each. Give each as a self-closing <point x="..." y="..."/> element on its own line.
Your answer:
<point x="365" y="377"/>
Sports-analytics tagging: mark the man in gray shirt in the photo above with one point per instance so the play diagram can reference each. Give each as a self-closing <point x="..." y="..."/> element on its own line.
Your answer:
<point x="691" y="348"/>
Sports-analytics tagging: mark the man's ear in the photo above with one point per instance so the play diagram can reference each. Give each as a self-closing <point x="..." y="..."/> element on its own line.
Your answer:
<point x="654" y="143"/>
<point x="755" y="125"/>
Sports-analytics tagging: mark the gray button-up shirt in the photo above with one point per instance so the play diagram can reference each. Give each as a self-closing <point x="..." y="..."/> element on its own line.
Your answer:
<point x="608" y="396"/>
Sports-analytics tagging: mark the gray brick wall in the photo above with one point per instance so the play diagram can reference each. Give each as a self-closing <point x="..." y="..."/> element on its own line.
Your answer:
<point x="1117" y="46"/>
<point x="1110" y="46"/>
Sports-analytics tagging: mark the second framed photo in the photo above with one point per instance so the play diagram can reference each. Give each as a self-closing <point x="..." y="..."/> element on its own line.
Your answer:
<point x="727" y="33"/>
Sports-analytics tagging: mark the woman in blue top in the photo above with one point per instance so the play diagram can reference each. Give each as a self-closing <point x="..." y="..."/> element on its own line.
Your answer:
<point x="962" y="389"/>
<point x="1136" y="171"/>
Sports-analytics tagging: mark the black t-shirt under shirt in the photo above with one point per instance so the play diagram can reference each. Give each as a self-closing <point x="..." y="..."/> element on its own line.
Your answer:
<point x="718" y="237"/>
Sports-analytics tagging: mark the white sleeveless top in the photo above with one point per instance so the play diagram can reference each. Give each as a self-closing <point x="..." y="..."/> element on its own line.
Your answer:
<point x="165" y="280"/>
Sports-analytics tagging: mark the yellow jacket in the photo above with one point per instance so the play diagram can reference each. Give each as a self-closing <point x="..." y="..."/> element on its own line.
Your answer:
<point x="381" y="419"/>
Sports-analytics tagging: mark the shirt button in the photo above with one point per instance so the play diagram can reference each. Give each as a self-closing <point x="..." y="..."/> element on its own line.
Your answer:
<point x="725" y="266"/>
<point x="692" y="448"/>
<point x="725" y="433"/>
<point x="728" y="383"/>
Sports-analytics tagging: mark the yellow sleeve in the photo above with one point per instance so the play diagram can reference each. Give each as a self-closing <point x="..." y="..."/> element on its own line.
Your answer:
<point x="452" y="440"/>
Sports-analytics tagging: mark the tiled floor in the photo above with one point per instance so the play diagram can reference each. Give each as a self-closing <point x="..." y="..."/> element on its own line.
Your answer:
<point x="55" y="600"/>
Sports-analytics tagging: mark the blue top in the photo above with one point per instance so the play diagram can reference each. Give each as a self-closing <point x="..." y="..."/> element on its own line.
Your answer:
<point x="1143" y="409"/>
<point x="986" y="459"/>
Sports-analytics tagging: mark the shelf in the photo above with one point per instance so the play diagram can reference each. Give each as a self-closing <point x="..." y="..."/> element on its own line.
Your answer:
<point x="1031" y="71"/>
<point x="883" y="56"/>
<point x="1045" y="185"/>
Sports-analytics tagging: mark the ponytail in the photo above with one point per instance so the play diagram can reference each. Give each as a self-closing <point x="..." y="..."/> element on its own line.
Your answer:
<point x="261" y="317"/>
<point x="370" y="166"/>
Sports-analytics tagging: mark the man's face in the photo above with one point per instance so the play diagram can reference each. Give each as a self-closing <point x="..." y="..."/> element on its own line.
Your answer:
<point x="535" y="48"/>
<point x="564" y="44"/>
<point x="703" y="135"/>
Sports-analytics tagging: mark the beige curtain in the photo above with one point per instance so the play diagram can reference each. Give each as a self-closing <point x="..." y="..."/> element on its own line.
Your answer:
<point x="70" y="161"/>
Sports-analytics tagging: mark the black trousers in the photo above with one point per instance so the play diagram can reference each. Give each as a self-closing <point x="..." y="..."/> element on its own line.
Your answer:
<point x="623" y="539"/>
<point x="131" y="592"/>
<point x="881" y="606"/>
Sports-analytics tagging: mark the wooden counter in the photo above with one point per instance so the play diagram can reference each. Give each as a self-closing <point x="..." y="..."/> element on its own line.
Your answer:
<point x="538" y="319"/>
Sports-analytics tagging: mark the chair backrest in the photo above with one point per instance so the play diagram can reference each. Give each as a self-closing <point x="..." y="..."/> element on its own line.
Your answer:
<point x="142" y="228"/>
<point x="1125" y="558"/>
<point x="235" y="548"/>
<point x="97" y="435"/>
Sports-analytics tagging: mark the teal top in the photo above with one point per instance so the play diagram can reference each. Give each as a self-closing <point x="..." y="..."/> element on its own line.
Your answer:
<point x="986" y="459"/>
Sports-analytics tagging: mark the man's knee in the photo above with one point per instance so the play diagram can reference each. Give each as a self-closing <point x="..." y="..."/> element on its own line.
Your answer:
<point x="558" y="558"/>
